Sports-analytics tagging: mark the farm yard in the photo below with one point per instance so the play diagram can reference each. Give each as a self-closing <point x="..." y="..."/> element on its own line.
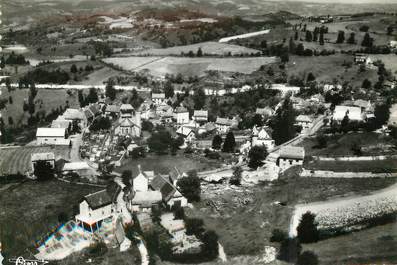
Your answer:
<point x="14" y="160"/>
<point x="159" y="66"/>
<point x="208" y="48"/>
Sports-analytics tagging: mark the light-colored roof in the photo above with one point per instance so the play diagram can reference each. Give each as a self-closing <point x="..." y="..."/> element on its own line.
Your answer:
<point x="264" y="111"/>
<point x="303" y="118"/>
<point x="126" y="107"/>
<point x="224" y="121"/>
<point x="158" y="95"/>
<point x="112" y="108"/>
<point x="73" y="114"/>
<point x="354" y="113"/>
<point x="50" y="132"/>
<point x="293" y="152"/>
<point x="170" y="224"/>
<point x="263" y="134"/>
<point x="180" y="110"/>
<point x="72" y="166"/>
<point x="42" y="156"/>
<point x="147" y="198"/>
<point x="201" y="113"/>
<point x="58" y="123"/>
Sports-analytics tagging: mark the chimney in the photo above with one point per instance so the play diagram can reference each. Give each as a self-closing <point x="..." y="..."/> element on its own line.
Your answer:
<point x="139" y="169"/>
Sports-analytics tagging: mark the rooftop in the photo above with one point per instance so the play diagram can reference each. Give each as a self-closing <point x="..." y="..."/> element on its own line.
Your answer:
<point x="50" y="132"/>
<point x="293" y="152"/>
<point x="42" y="156"/>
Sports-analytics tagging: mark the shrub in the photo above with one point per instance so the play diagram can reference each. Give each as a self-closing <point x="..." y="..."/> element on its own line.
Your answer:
<point x="278" y="236"/>
<point x="307" y="228"/>
<point x="307" y="258"/>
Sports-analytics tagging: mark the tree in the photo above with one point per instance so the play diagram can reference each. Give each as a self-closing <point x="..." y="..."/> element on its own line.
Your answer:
<point x="199" y="98"/>
<point x="283" y="123"/>
<point x="199" y="52"/>
<point x="43" y="170"/>
<point x="179" y="213"/>
<point x="10" y="100"/>
<point x="292" y="46"/>
<point x="356" y="148"/>
<point x="168" y="89"/>
<point x="382" y="114"/>
<point x="389" y="30"/>
<point x="110" y="91"/>
<point x="364" y="28"/>
<point x="126" y="176"/>
<point x="366" y="84"/>
<point x="307" y="229"/>
<point x="190" y="187"/>
<point x="278" y="236"/>
<point x="300" y="49"/>
<point x="309" y="36"/>
<point x="341" y="37"/>
<point x="344" y="125"/>
<point x="10" y="121"/>
<point x="321" y="40"/>
<point x="310" y="77"/>
<point x="210" y="244"/>
<point x="230" y="143"/>
<point x="81" y="98"/>
<point x="217" y="142"/>
<point x="296" y="37"/>
<point x="307" y="258"/>
<point x="160" y="142"/>
<point x="73" y="69"/>
<point x="284" y="56"/>
<point x="290" y="249"/>
<point x="237" y="175"/>
<point x="352" y="38"/>
<point x="321" y="141"/>
<point x="194" y="226"/>
<point x="92" y="96"/>
<point x="367" y="41"/>
<point x="256" y="156"/>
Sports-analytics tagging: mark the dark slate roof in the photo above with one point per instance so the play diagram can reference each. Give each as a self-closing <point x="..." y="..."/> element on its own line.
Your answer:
<point x="88" y="114"/>
<point x="95" y="109"/>
<point x="104" y="197"/>
<point x="164" y="186"/>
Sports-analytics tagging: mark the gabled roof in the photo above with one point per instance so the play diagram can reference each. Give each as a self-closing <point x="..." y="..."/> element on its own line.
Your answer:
<point x="158" y="95"/>
<point x="147" y="198"/>
<point x="95" y="109"/>
<point x="112" y="108"/>
<point x="184" y="131"/>
<point x="201" y="113"/>
<point x="224" y="121"/>
<point x="58" y="123"/>
<point x="73" y="114"/>
<point x="292" y="152"/>
<point x="354" y="113"/>
<point x="50" y="132"/>
<point x="126" y="108"/>
<point x="180" y="110"/>
<point x="164" y="186"/>
<point x="88" y="114"/>
<point x="42" y="156"/>
<point x="98" y="199"/>
<point x="264" y="111"/>
<point x="303" y="118"/>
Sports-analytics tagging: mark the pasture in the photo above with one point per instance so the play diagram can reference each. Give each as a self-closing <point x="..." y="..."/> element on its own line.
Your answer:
<point x="208" y="48"/>
<point x="15" y="160"/>
<point x="158" y="66"/>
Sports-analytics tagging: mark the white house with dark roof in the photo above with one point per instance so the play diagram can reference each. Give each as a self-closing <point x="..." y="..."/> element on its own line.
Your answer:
<point x="158" y="98"/>
<point x="181" y="115"/>
<point x="170" y="194"/>
<point x="186" y="133"/>
<point x="129" y="122"/>
<point x="143" y="201"/>
<point x="51" y="136"/>
<point x="223" y="125"/>
<point x="96" y="208"/>
<point x="291" y="156"/>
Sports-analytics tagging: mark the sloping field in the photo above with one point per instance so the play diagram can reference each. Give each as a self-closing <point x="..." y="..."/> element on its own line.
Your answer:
<point x="15" y="160"/>
<point x="211" y="48"/>
<point x="190" y="66"/>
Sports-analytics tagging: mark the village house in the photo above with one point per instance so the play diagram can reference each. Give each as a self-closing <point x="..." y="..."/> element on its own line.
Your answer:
<point x="170" y="194"/>
<point x="158" y="98"/>
<point x="187" y="134"/>
<point x="181" y="115"/>
<point x="304" y="121"/>
<point x="265" y="112"/>
<point x="80" y="168"/>
<point x="261" y="137"/>
<point x="51" y="136"/>
<point x="353" y="113"/>
<point x="95" y="209"/>
<point x="175" y="227"/>
<point x="291" y="156"/>
<point x="141" y="181"/>
<point x="42" y="157"/>
<point x="62" y="123"/>
<point x="200" y="116"/>
<point x="129" y="122"/>
<point x="74" y="115"/>
<point x="143" y="201"/>
<point x="362" y="58"/>
<point x="223" y="125"/>
<point x="112" y="111"/>
<point x="285" y="89"/>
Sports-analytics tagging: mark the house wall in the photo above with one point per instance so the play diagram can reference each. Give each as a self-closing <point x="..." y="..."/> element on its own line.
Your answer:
<point x="140" y="183"/>
<point x="97" y="214"/>
<point x="285" y="163"/>
<point x="52" y="163"/>
<point x="50" y="140"/>
<point x="182" y="118"/>
<point x="267" y="142"/>
<point x="182" y="200"/>
<point x="222" y="128"/>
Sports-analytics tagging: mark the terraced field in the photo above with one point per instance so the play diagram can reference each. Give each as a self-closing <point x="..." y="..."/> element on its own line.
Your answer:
<point x="17" y="159"/>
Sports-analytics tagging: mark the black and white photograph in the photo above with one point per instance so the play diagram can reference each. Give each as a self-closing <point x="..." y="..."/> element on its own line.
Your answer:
<point x="198" y="132"/>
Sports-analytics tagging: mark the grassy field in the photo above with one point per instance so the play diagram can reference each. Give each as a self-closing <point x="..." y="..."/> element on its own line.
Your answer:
<point x="17" y="159"/>
<point x="189" y="66"/>
<point x="353" y="166"/>
<point x="328" y="68"/>
<point x="246" y="229"/>
<point x="390" y="61"/>
<point x="210" y="48"/>
<point x="375" y="245"/>
<point x="98" y="77"/>
<point x="166" y="163"/>
<point x="341" y="145"/>
<point x="45" y="101"/>
<point x="30" y="209"/>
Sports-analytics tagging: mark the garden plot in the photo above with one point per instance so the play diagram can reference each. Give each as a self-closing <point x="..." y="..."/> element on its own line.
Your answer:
<point x="189" y="66"/>
<point x="346" y="213"/>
